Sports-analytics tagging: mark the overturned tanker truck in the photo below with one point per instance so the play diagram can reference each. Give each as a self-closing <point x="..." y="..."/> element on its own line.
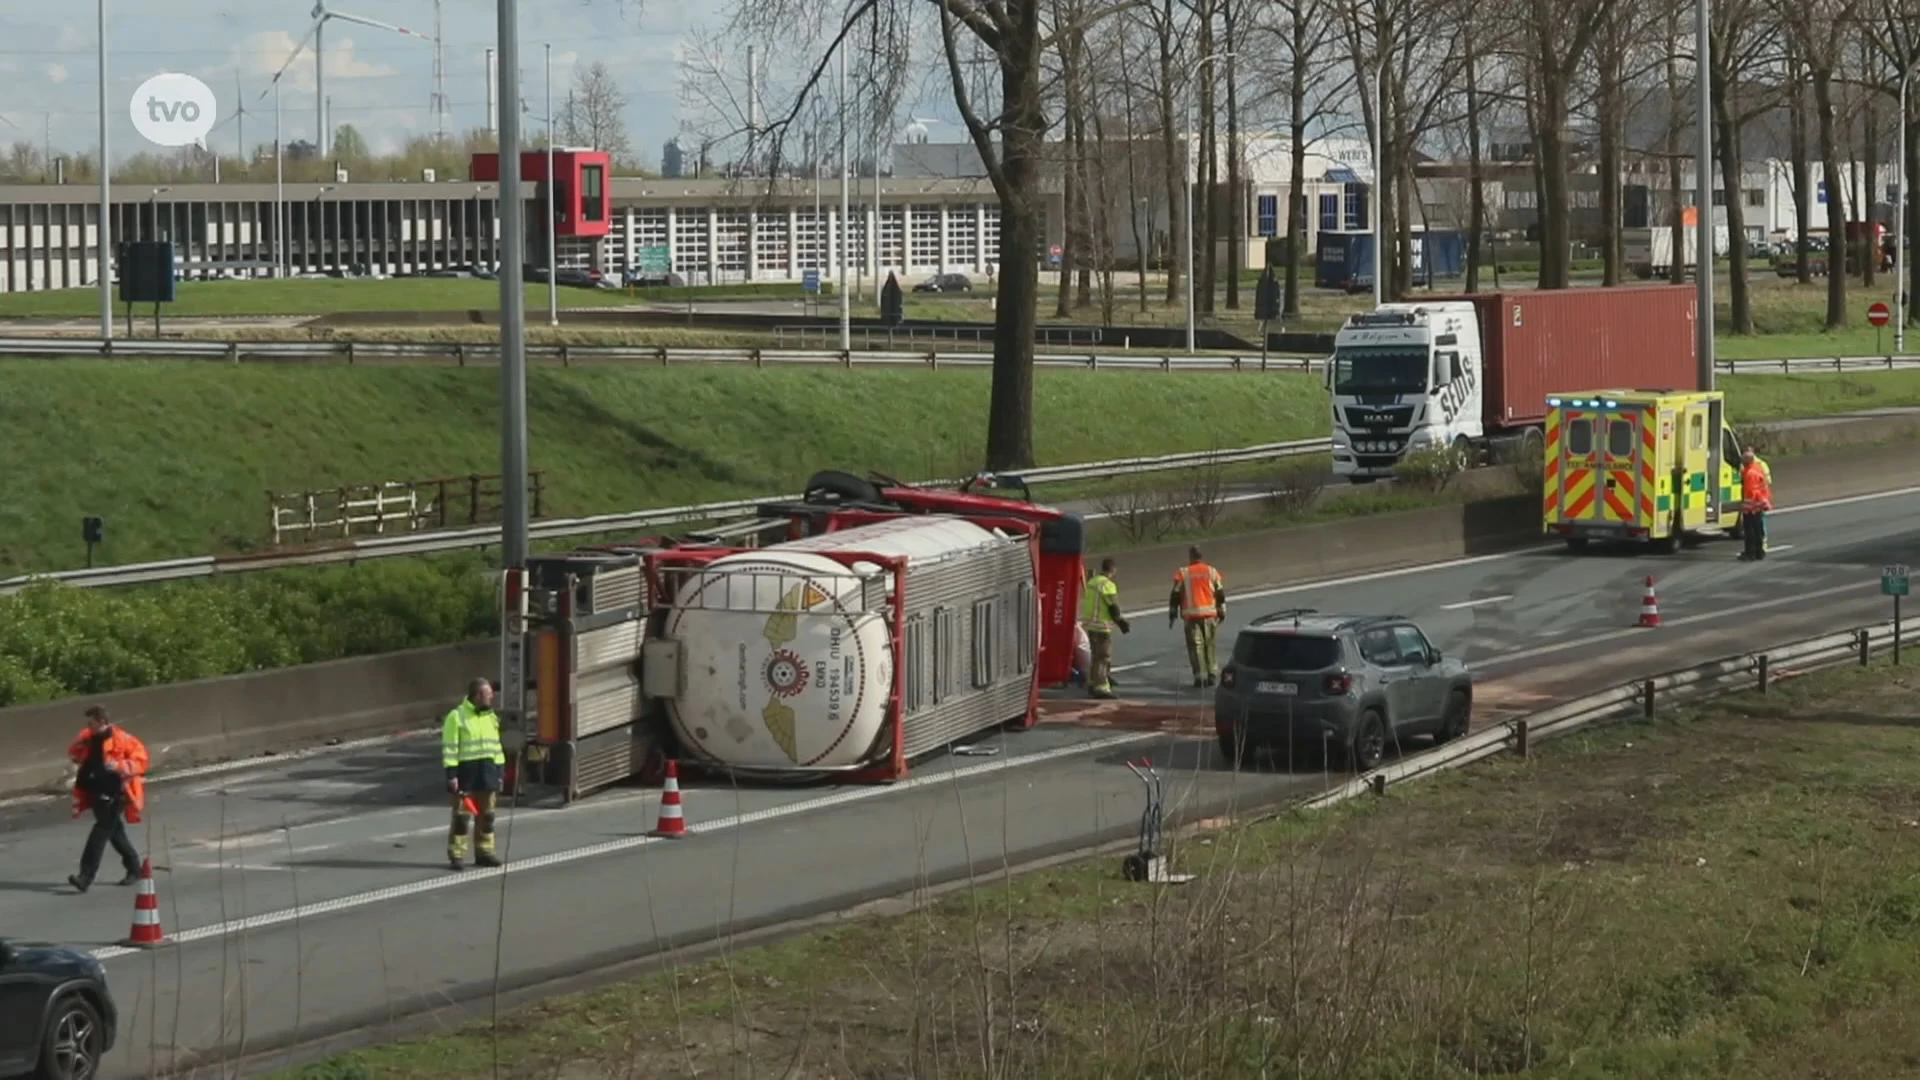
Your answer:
<point x="839" y="637"/>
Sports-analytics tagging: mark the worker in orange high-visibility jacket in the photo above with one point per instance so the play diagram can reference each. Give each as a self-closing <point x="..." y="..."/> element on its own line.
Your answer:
<point x="1756" y="499"/>
<point x="112" y="764"/>
<point x="1199" y="599"/>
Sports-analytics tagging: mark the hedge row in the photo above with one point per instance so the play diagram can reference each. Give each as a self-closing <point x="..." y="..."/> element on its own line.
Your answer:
<point x="57" y="641"/>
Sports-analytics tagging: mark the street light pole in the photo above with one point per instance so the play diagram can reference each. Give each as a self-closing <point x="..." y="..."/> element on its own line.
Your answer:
<point x="846" y="209"/>
<point x="1703" y="199"/>
<point x="1193" y="167"/>
<point x="279" y="191"/>
<point x="513" y="299"/>
<point x="1375" y="211"/>
<point x="106" y="191"/>
<point x="553" y="267"/>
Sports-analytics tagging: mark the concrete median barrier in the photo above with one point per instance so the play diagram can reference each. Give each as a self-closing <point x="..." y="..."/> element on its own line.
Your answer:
<point x="195" y="723"/>
<point x="188" y="724"/>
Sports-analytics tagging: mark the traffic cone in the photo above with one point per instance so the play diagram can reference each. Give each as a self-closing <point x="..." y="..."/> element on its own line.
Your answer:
<point x="673" y="823"/>
<point x="146" y="912"/>
<point x="1649" y="606"/>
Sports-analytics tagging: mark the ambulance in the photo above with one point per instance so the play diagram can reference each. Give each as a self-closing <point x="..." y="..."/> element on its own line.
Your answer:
<point x="1655" y="467"/>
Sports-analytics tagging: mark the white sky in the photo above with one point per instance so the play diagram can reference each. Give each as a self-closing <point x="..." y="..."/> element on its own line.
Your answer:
<point x="379" y="81"/>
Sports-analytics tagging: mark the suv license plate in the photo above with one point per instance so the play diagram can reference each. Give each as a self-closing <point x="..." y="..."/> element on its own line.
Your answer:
<point x="1277" y="688"/>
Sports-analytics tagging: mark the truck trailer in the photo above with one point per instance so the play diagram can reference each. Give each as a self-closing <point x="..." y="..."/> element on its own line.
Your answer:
<point x="1473" y="373"/>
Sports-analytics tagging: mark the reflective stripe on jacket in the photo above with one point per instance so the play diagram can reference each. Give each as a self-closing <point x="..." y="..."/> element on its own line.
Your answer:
<point x="123" y="754"/>
<point x="1198" y="584"/>
<point x="1756" y="489"/>
<point x="1096" y="599"/>
<point x="470" y="734"/>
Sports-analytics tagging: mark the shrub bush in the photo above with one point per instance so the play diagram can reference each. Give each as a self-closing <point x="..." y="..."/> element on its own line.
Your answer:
<point x="57" y="641"/>
<point x="1429" y="470"/>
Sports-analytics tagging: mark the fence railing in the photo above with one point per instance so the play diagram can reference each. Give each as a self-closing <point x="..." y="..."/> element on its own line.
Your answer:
<point x="462" y="354"/>
<point x="1642" y="697"/>
<point x="393" y="506"/>
<point x="931" y="356"/>
<point x="431" y="543"/>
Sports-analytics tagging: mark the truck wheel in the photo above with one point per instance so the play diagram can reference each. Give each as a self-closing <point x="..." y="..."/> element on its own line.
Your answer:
<point x="843" y="485"/>
<point x="1361" y="479"/>
<point x="1462" y="449"/>
<point x="1666" y="545"/>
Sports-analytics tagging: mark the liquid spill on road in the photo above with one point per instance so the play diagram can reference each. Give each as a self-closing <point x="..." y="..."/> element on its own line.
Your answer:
<point x="1126" y="715"/>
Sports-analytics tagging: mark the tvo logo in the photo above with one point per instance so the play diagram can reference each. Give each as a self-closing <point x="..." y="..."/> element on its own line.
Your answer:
<point x="173" y="110"/>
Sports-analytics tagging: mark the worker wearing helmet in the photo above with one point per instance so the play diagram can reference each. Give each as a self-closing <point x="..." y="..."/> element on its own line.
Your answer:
<point x="475" y="759"/>
<point x="1099" y="614"/>
<point x="1756" y="499"/>
<point x="1199" y="598"/>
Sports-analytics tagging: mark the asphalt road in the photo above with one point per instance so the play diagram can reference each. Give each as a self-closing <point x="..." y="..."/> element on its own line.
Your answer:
<point x="352" y="839"/>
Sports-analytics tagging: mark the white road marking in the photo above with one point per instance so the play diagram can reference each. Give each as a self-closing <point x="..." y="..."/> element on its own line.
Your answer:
<point x="244" y="867"/>
<point x="611" y="847"/>
<point x="1135" y="666"/>
<point x="1476" y="603"/>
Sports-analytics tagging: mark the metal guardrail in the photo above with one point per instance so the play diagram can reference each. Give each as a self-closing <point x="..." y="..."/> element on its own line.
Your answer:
<point x="1816" y="364"/>
<point x="377" y="547"/>
<point x="1641" y="697"/>
<point x="461" y="354"/>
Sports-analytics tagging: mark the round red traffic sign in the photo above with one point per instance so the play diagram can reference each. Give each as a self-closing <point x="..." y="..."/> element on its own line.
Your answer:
<point x="1878" y="314"/>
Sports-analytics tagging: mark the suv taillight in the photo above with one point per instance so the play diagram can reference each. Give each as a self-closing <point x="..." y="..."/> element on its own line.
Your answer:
<point x="1337" y="685"/>
<point x="1226" y="676"/>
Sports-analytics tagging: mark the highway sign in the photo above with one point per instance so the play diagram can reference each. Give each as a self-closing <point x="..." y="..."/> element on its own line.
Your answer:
<point x="1894" y="580"/>
<point x="1879" y="314"/>
<point x="810" y="281"/>
<point x="656" y="259"/>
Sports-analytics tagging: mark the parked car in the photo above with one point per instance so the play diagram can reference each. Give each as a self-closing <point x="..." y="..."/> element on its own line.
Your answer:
<point x="945" y="283"/>
<point x="1356" y="685"/>
<point x="57" y="1017"/>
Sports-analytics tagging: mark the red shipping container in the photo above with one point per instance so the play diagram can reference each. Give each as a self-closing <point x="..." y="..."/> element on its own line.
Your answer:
<point x="1553" y="341"/>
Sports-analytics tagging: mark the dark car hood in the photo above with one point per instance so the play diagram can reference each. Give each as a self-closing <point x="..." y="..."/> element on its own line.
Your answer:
<point x="49" y="957"/>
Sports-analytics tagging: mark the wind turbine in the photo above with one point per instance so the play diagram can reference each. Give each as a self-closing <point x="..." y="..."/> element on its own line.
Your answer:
<point x="317" y="34"/>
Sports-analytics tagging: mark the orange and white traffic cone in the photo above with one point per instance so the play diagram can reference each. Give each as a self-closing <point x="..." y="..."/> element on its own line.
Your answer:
<point x="1649" y="606"/>
<point x="673" y="822"/>
<point x="146" y="912"/>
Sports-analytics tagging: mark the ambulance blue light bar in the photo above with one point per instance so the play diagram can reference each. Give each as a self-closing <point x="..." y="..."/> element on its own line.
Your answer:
<point x="1577" y="403"/>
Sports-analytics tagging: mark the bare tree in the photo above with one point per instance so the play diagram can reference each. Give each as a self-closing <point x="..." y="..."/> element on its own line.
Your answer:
<point x="1304" y="31"/>
<point x="1557" y="38"/>
<point x="593" y="115"/>
<point x="1744" y="43"/>
<point x="1899" y="38"/>
<point x="1820" y="30"/>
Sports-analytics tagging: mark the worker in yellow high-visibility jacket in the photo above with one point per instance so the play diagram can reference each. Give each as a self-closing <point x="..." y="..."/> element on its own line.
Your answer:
<point x="1099" y="614"/>
<point x="1199" y="599"/>
<point x="476" y="763"/>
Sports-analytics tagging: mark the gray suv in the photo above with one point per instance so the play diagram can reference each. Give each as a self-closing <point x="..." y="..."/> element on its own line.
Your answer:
<point x="1354" y="684"/>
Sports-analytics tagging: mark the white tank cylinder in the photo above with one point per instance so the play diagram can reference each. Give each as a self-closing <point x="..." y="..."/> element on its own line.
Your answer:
<point x="787" y="658"/>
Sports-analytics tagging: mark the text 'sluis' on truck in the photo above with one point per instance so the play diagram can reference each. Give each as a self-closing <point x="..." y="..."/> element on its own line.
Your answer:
<point x="1474" y="372"/>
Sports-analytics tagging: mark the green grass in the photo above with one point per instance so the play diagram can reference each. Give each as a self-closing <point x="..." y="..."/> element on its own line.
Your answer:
<point x="1731" y="893"/>
<point x="320" y="296"/>
<point x="179" y="457"/>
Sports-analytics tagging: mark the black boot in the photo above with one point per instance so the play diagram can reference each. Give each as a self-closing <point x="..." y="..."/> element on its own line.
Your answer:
<point x="80" y="883"/>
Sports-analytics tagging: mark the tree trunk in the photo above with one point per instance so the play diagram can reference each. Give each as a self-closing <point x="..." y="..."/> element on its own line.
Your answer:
<point x="1236" y="198"/>
<point x="1010" y="402"/>
<point x="1296" y="165"/>
<point x="1476" y="179"/>
<point x="1069" y="195"/>
<point x="1728" y="137"/>
<point x="1385" y="171"/>
<point x="1798" y="150"/>
<point x="1135" y="201"/>
<point x="1912" y="267"/>
<point x="1609" y="117"/>
<point x="1179" y="150"/>
<point x="1207" y="213"/>
<point x="1676" y="191"/>
<point x="1870" y="197"/>
<point x="1836" y="201"/>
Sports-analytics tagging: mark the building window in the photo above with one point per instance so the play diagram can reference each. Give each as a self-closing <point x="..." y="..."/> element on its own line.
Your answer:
<point x="1329" y="213"/>
<point x="1357" y="216"/>
<point x="1756" y="197"/>
<point x="1719" y="196"/>
<point x="1269" y="215"/>
<point x="592" y="197"/>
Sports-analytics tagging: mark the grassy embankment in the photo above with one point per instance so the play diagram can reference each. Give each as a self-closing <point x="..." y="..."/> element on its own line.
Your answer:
<point x="1732" y="893"/>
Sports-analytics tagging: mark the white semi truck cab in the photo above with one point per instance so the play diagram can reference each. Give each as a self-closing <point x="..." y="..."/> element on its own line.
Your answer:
<point x="1405" y="377"/>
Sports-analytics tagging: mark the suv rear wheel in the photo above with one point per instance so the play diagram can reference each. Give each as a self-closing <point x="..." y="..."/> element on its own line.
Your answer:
<point x="1236" y="749"/>
<point x="1369" y="742"/>
<point x="70" y="1047"/>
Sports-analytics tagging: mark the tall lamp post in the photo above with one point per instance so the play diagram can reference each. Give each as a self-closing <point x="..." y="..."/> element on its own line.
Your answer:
<point x="1703" y="199"/>
<point x="1193" y="167"/>
<point x="106" y="191"/>
<point x="1375" y="211"/>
